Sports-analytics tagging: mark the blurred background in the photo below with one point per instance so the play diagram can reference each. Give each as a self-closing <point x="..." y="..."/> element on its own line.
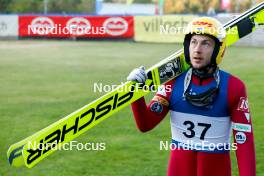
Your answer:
<point x="49" y="65"/>
<point x="95" y="6"/>
<point x="142" y="19"/>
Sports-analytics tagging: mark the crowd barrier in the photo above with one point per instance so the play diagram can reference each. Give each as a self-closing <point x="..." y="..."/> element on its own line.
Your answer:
<point x="8" y="26"/>
<point x="161" y="29"/>
<point x="76" y="26"/>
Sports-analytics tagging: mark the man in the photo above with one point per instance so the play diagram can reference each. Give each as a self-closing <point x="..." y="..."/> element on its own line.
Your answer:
<point x="205" y="103"/>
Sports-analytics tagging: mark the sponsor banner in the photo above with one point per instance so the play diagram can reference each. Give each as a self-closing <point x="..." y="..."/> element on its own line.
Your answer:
<point x="8" y="25"/>
<point x="76" y="26"/>
<point x="168" y="28"/>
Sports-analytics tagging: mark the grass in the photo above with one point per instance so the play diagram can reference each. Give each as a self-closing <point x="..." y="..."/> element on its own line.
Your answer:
<point x="42" y="81"/>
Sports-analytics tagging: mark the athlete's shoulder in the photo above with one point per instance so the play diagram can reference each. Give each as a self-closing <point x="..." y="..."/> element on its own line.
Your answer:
<point x="234" y="81"/>
<point x="236" y="91"/>
<point x="232" y="78"/>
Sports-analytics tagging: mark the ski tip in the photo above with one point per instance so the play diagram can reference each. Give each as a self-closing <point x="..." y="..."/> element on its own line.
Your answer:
<point x="14" y="155"/>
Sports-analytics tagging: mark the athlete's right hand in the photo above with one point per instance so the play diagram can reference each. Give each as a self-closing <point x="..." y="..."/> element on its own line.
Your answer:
<point x="138" y="74"/>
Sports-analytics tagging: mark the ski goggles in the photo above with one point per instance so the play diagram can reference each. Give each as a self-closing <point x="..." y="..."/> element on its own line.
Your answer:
<point x="203" y="99"/>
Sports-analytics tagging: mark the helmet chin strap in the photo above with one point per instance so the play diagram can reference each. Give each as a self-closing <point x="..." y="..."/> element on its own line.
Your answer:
<point x="205" y="72"/>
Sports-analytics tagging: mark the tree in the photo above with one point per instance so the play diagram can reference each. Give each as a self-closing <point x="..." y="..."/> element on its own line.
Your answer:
<point x="54" y="6"/>
<point x="26" y="6"/>
<point x="4" y="6"/>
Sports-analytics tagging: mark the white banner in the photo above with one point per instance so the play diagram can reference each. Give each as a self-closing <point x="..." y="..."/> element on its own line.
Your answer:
<point x="8" y="25"/>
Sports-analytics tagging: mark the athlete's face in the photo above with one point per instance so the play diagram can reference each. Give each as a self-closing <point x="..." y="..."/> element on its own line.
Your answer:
<point x="201" y="50"/>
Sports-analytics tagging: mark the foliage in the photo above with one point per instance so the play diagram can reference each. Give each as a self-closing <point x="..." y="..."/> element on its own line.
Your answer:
<point x="203" y="6"/>
<point x="53" y="6"/>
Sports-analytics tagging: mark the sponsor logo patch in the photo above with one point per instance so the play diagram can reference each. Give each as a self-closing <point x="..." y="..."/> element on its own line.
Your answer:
<point x="243" y="105"/>
<point x="240" y="137"/>
<point x="241" y="127"/>
<point x="203" y="23"/>
<point x="156" y="107"/>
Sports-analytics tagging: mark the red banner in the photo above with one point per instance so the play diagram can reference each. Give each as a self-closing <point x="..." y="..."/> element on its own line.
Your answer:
<point x="76" y="26"/>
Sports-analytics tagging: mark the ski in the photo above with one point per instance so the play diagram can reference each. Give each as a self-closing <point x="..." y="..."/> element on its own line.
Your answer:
<point x="28" y="151"/>
<point x="76" y="123"/>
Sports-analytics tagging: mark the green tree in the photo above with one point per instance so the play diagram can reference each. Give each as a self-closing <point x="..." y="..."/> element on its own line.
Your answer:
<point x="54" y="6"/>
<point x="71" y="6"/>
<point x="66" y="6"/>
<point x="4" y="6"/>
<point x="26" y="6"/>
<point x="86" y="6"/>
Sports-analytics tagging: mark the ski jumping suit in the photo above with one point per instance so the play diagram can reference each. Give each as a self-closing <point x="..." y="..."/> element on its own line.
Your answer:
<point x="197" y="131"/>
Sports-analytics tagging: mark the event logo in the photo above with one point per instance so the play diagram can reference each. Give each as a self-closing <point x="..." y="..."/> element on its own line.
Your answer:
<point x="115" y="26"/>
<point x="42" y="25"/>
<point x="78" y="26"/>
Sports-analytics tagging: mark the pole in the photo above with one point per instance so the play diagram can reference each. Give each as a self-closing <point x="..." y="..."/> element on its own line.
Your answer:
<point x="46" y="6"/>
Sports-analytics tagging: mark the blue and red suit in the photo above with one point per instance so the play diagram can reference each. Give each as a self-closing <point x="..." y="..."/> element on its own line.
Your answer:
<point x="202" y="134"/>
